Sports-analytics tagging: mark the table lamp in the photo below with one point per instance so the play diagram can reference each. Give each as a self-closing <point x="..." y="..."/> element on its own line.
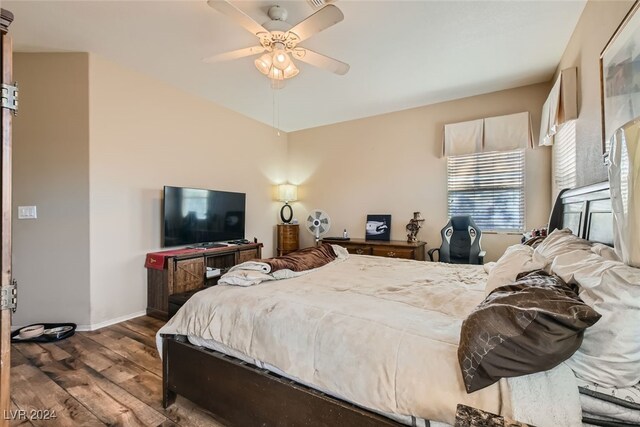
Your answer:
<point x="287" y="193"/>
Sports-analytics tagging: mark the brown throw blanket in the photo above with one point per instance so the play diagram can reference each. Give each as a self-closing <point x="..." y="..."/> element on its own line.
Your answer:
<point x="304" y="259"/>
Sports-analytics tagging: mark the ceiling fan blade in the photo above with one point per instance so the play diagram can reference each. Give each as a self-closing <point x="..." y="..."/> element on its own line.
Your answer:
<point x="237" y="15"/>
<point x="234" y="54"/>
<point x="321" y="61"/>
<point x="321" y="20"/>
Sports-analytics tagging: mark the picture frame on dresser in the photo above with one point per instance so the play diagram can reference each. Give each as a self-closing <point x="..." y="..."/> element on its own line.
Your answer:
<point x="378" y="227"/>
<point x="620" y="76"/>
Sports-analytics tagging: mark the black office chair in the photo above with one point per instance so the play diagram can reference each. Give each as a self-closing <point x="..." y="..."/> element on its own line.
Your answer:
<point x="460" y="242"/>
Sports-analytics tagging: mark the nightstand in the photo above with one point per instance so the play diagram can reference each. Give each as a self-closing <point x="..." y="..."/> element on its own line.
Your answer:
<point x="288" y="238"/>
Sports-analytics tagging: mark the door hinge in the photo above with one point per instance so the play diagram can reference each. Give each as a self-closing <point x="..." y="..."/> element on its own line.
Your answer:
<point x="10" y="97"/>
<point x="9" y="296"/>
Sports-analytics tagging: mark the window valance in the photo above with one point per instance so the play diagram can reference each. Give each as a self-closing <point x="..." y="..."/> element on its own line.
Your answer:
<point x="501" y="133"/>
<point x="561" y="105"/>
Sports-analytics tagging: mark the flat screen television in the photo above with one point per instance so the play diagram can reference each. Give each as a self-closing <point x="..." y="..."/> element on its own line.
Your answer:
<point x="195" y="216"/>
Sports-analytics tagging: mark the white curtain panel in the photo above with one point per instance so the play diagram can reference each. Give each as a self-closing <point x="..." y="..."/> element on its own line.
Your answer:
<point x="500" y="133"/>
<point x="463" y="138"/>
<point x="549" y="121"/>
<point x="624" y="181"/>
<point x="505" y="133"/>
<point x="560" y="107"/>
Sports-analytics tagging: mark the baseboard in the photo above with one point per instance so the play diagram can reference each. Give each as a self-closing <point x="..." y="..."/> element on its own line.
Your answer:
<point x="93" y="327"/>
<point x="96" y="326"/>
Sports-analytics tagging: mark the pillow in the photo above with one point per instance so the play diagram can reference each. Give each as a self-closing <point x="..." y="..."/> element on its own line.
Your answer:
<point x="488" y="266"/>
<point x="629" y="397"/>
<point x="516" y="259"/>
<point x="559" y="242"/>
<point x="606" y="252"/>
<point x="610" y="353"/>
<point x="527" y="327"/>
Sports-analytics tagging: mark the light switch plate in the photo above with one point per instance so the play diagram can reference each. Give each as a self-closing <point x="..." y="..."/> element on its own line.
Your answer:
<point x="27" y="212"/>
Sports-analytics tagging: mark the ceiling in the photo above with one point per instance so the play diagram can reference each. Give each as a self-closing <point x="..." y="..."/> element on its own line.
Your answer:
<point x="403" y="54"/>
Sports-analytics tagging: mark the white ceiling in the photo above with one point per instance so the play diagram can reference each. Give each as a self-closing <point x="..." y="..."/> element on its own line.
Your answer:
<point x="402" y="54"/>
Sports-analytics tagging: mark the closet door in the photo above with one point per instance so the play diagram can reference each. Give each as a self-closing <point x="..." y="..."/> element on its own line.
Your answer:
<point x="6" y="63"/>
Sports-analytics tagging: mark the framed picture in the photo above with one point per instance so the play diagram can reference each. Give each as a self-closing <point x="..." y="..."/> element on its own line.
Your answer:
<point x="378" y="227"/>
<point x="620" y="76"/>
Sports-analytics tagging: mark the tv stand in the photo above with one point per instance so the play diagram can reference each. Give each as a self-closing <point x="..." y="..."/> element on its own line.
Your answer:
<point x="186" y="270"/>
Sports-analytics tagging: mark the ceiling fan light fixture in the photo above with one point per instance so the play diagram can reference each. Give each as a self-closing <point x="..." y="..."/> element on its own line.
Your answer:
<point x="290" y="71"/>
<point x="276" y="74"/>
<point x="280" y="59"/>
<point x="264" y="64"/>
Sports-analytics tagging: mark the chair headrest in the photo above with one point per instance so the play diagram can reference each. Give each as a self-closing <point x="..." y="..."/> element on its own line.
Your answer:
<point x="461" y="222"/>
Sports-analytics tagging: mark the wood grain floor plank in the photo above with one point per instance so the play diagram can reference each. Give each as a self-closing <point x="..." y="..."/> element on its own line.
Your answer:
<point x="110" y="376"/>
<point x="31" y="389"/>
<point x="187" y="413"/>
<point x="135" y="351"/>
<point x="148" y="321"/>
<point x="184" y="412"/>
<point x="15" y="417"/>
<point x="17" y="358"/>
<point x="139" y="382"/>
<point x="142" y="328"/>
<point x="40" y="354"/>
<point x="149" y="341"/>
<point x="99" y="358"/>
<point x="109" y="402"/>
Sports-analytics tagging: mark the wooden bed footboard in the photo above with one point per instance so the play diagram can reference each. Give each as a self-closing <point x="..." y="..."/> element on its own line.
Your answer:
<point x="240" y="394"/>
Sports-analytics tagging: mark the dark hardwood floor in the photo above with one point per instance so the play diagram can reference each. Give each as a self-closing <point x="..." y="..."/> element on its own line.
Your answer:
<point x="112" y="376"/>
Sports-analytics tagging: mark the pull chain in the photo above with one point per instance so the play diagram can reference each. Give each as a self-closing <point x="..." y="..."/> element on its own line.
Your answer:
<point x="276" y="109"/>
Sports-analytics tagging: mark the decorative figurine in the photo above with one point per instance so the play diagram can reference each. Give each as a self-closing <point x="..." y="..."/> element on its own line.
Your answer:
<point x="414" y="226"/>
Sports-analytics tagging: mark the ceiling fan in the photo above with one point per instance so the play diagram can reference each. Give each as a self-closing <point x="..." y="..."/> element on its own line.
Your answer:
<point x="280" y="41"/>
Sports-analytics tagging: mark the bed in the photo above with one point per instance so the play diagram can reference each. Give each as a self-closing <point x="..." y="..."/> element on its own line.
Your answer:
<point x="243" y="353"/>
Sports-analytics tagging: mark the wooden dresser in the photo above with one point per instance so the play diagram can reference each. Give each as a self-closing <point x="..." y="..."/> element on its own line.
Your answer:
<point x="288" y="238"/>
<point x="188" y="271"/>
<point x="391" y="249"/>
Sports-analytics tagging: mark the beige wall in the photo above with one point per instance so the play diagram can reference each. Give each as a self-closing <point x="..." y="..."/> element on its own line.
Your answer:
<point x="597" y="24"/>
<point x="51" y="171"/>
<point x="93" y="146"/>
<point x="392" y="164"/>
<point x="146" y="134"/>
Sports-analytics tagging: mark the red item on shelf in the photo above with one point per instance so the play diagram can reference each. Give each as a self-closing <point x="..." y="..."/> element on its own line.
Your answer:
<point x="157" y="260"/>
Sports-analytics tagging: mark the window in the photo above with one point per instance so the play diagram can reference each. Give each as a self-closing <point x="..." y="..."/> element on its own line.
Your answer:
<point x="490" y="188"/>
<point x="564" y="158"/>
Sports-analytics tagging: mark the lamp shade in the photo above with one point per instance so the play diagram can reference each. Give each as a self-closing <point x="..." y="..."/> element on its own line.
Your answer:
<point x="280" y="59"/>
<point x="287" y="193"/>
<point x="264" y="63"/>
<point x="290" y="71"/>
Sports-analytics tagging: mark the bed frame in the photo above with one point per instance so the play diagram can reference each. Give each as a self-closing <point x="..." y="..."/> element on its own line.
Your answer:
<point x="241" y="394"/>
<point x="586" y="211"/>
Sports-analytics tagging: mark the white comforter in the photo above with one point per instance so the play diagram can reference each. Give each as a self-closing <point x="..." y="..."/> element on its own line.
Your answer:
<point x="382" y="333"/>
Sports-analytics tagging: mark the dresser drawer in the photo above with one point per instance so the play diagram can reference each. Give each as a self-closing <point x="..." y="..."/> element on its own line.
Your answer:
<point x="289" y="246"/>
<point x="289" y="232"/>
<point x="390" y="249"/>
<point x="288" y="238"/>
<point x="394" y="252"/>
<point x="358" y="250"/>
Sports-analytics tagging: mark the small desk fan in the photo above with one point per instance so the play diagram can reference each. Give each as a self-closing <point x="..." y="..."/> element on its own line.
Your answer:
<point x="318" y="223"/>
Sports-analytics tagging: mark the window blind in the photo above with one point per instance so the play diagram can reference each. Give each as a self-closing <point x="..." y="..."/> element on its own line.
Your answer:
<point x="564" y="158"/>
<point x="489" y="187"/>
